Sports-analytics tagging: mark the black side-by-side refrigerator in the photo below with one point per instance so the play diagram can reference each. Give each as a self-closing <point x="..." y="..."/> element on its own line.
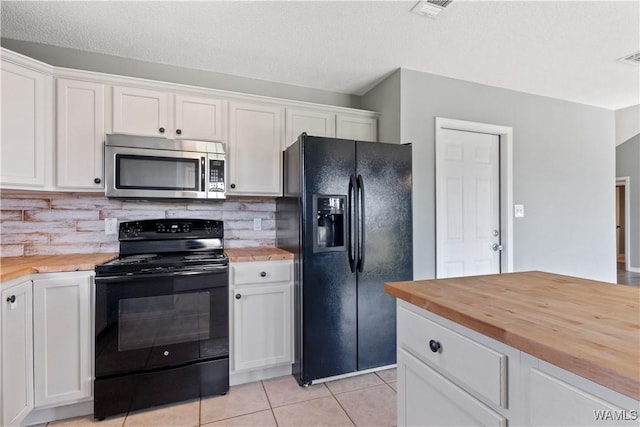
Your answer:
<point x="346" y="215"/>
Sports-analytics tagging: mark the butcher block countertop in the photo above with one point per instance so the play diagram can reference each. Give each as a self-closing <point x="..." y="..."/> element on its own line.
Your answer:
<point x="586" y="327"/>
<point x="14" y="267"/>
<point x="257" y="254"/>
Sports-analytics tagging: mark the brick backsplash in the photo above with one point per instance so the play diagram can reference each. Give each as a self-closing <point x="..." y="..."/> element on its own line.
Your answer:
<point x="47" y="223"/>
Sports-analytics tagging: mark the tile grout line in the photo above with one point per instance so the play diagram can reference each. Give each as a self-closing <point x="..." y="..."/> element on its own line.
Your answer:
<point x="273" y="414"/>
<point x="343" y="408"/>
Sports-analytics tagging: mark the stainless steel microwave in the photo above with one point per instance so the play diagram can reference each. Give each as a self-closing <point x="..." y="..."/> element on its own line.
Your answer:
<point x="141" y="167"/>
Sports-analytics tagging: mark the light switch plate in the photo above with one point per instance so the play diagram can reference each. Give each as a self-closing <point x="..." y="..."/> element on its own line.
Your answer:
<point x="111" y="226"/>
<point x="518" y="211"/>
<point x="257" y="224"/>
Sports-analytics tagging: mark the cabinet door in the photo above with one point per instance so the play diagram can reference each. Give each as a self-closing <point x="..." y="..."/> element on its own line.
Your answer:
<point x="555" y="397"/>
<point x="80" y="119"/>
<point x="358" y="128"/>
<point x="255" y="149"/>
<point x="315" y="123"/>
<point x="140" y="111"/>
<point x="261" y="326"/>
<point x="62" y="339"/>
<point x="426" y="398"/>
<point x="17" y="353"/>
<point x="24" y="126"/>
<point x="199" y="118"/>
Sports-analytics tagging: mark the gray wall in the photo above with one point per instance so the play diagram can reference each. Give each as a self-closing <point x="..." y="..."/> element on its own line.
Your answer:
<point x="628" y="164"/>
<point x="77" y="59"/>
<point x="564" y="169"/>
<point x="385" y="99"/>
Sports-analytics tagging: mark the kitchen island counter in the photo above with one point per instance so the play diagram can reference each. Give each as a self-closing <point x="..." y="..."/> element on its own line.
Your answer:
<point x="589" y="328"/>
<point x="15" y="267"/>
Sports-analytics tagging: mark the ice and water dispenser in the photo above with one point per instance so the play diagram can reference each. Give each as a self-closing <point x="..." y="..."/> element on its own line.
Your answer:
<point x="329" y="230"/>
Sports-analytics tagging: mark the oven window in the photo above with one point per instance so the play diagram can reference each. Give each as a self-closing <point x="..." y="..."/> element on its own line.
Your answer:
<point x="157" y="173"/>
<point x="161" y="320"/>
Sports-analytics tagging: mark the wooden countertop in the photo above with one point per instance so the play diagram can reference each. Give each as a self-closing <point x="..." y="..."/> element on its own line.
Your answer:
<point x="257" y="254"/>
<point x="586" y="327"/>
<point x="14" y="267"/>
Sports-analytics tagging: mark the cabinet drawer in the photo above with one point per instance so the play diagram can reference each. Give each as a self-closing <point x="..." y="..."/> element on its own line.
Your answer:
<point x="466" y="361"/>
<point x="245" y="273"/>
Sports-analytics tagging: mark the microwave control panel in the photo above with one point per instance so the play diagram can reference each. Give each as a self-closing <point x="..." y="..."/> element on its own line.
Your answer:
<point x="216" y="175"/>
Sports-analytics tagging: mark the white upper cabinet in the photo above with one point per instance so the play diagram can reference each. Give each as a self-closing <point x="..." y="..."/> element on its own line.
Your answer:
<point x="80" y="135"/>
<point x="315" y="123"/>
<point x="26" y="116"/>
<point x="360" y="128"/>
<point x="255" y="149"/>
<point x="140" y="111"/>
<point x="156" y="113"/>
<point x="199" y="118"/>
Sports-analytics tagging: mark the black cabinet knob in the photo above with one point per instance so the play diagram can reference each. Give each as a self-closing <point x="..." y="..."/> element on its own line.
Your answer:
<point x="179" y="131"/>
<point x="434" y="346"/>
<point x="233" y="186"/>
<point x="238" y="296"/>
<point x="161" y="130"/>
<point x="97" y="180"/>
<point x="11" y="299"/>
<point x="263" y="274"/>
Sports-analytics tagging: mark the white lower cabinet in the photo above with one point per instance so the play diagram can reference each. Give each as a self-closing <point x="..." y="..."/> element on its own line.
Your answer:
<point x="555" y="397"/>
<point x="261" y="315"/>
<point x="62" y="339"/>
<point x="47" y="348"/>
<point x="17" y="352"/>
<point x="451" y="375"/>
<point x="428" y="398"/>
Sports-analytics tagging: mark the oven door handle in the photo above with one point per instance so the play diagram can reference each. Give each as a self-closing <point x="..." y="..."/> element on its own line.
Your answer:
<point x="120" y="278"/>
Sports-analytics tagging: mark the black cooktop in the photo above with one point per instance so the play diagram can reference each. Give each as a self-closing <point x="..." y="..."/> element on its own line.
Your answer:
<point x="167" y="245"/>
<point x="163" y="262"/>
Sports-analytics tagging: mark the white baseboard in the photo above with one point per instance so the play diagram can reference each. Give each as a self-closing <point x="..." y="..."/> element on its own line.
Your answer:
<point x="237" y="378"/>
<point x="45" y="415"/>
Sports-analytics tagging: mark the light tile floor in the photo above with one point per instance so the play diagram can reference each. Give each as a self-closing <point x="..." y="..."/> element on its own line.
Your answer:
<point x="363" y="400"/>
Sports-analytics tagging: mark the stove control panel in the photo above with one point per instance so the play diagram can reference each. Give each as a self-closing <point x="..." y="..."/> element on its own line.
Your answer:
<point x="173" y="227"/>
<point x="165" y="229"/>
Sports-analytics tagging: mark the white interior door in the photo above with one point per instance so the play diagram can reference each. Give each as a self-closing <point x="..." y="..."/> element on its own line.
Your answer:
<point x="467" y="203"/>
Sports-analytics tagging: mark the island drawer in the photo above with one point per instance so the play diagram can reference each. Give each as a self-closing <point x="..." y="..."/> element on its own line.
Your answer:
<point x="465" y="361"/>
<point x="245" y="273"/>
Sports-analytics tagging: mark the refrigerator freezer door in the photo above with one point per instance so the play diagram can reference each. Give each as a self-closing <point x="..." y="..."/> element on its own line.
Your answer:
<point x="387" y="242"/>
<point x="329" y="311"/>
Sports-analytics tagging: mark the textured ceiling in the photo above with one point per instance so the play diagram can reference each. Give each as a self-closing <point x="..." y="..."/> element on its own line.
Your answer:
<point x="561" y="49"/>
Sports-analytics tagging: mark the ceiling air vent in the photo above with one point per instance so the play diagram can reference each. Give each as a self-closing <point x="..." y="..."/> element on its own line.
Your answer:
<point x="430" y="8"/>
<point x="633" y="59"/>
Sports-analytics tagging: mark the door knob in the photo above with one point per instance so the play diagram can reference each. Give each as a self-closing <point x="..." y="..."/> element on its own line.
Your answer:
<point x="496" y="247"/>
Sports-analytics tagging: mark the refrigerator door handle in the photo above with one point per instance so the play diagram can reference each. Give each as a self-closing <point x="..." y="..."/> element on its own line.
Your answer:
<point x="360" y="228"/>
<point x="353" y="236"/>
